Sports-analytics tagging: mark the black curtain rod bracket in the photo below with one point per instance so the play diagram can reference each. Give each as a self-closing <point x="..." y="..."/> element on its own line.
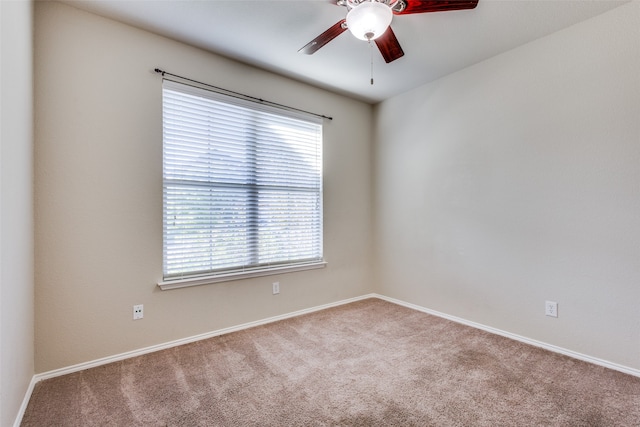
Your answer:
<point x="241" y="95"/>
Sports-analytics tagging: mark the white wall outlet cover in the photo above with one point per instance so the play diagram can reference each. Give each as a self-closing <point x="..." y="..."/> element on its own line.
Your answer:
<point x="138" y="311"/>
<point x="551" y="308"/>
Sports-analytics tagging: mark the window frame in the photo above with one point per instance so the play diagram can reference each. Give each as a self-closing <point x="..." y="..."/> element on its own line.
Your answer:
<point x="195" y="278"/>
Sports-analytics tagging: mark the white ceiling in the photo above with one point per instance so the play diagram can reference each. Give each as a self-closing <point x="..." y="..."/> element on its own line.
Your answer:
<point x="268" y="34"/>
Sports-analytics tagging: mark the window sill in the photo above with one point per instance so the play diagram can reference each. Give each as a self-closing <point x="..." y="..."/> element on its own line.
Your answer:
<point x="227" y="277"/>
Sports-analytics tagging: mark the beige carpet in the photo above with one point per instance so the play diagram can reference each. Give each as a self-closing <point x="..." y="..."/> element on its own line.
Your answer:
<point x="369" y="363"/>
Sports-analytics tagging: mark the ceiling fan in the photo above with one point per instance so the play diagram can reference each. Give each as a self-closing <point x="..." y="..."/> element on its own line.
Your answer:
<point x="370" y="20"/>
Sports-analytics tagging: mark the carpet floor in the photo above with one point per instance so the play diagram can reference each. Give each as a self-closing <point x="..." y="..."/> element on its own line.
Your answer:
<point x="368" y="363"/>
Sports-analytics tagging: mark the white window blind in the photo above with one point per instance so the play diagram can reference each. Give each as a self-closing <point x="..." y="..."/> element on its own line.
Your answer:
<point x="242" y="185"/>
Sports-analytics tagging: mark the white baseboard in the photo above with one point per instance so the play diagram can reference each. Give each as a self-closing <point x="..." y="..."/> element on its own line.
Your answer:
<point x="134" y="353"/>
<point x="182" y="341"/>
<point x="25" y="402"/>
<point x="546" y="346"/>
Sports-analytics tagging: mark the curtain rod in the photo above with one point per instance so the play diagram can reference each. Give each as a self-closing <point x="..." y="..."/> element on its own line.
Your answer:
<point x="242" y="95"/>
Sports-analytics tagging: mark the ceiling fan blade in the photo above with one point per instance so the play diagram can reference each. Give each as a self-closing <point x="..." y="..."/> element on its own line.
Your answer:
<point x="424" y="6"/>
<point x="389" y="46"/>
<point x="324" y="38"/>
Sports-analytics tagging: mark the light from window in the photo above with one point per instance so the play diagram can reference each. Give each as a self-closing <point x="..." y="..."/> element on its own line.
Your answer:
<point x="242" y="185"/>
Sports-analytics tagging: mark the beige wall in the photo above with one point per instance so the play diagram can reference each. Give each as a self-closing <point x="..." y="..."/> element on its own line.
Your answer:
<point x="98" y="154"/>
<point x="16" y="206"/>
<point x="517" y="181"/>
<point x="498" y="187"/>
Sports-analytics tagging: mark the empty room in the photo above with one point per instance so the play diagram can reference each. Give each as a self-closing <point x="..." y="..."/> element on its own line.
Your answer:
<point x="353" y="212"/>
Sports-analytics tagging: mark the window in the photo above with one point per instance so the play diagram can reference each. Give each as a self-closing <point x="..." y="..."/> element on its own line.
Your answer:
<point x="242" y="187"/>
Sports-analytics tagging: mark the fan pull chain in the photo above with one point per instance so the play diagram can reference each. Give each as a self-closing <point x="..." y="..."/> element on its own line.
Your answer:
<point x="371" y="52"/>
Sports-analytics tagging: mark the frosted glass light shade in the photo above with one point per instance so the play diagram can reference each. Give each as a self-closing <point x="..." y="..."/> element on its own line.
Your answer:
<point x="369" y="20"/>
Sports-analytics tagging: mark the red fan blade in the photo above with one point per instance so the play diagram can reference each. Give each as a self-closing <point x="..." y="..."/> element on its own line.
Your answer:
<point x="324" y="38"/>
<point x="389" y="46"/>
<point x="424" y="6"/>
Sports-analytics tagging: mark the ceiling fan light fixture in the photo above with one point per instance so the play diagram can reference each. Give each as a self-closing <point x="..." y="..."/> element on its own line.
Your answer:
<point x="369" y="20"/>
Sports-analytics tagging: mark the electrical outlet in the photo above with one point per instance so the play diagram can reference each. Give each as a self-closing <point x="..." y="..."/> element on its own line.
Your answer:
<point x="276" y="288"/>
<point x="551" y="308"/>
<point x="138" y="311"/>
